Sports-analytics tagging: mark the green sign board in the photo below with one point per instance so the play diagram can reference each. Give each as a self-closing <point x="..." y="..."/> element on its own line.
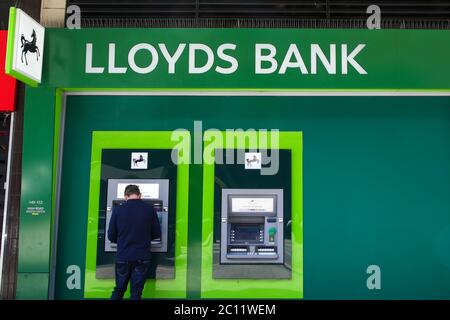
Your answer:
<point x="242" y="59"/>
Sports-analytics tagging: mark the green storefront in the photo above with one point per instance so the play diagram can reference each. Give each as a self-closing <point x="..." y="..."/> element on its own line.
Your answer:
<point x="363" y="161"/>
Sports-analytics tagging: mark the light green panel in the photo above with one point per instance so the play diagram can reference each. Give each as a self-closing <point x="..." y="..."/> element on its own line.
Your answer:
<point x="255" y="288"/>
<point x="59" y="96"/>
<point x="173" y="288"/>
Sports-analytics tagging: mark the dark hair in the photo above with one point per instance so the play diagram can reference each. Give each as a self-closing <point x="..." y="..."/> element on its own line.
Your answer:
<point x="132" y="189"/>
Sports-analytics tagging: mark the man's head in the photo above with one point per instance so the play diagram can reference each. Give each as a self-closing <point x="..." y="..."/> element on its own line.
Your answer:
<point x="132" y="192"/>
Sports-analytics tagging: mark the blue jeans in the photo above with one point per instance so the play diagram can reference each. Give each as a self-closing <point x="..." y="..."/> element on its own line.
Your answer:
<point x="134" y="272"/>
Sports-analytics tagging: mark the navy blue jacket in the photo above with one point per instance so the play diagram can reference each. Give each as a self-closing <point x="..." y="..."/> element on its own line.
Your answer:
<point x="133" y="225"/>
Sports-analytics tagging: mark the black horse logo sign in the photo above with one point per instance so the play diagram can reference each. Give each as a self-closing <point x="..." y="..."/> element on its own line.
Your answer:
<point x="137" y="160"/>
<point x="29" y="46"/>
<point x="250" y="161"/>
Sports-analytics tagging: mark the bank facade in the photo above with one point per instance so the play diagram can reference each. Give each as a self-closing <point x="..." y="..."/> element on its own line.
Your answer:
<point x="358" y="121"/>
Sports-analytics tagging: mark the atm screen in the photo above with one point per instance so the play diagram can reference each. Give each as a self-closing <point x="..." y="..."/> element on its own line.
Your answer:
<point x="253" y="233"/>
<point x="253" y="204"/>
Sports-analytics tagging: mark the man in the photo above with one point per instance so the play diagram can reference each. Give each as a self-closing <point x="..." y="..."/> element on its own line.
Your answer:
<point x="132" y="226"/>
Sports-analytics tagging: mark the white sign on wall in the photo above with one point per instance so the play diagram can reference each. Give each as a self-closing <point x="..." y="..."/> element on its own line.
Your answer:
<point x="253" y="160"/>
<point x="139" y="160"/>
<point x="27" y="48"/>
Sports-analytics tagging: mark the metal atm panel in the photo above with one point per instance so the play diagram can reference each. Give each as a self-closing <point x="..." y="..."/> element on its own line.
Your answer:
<point x="252" y="226"/>
<point x="155" y="192"/>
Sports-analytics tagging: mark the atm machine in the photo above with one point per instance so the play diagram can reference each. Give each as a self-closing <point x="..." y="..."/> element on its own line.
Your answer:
<point x="252" y="226"/>
<point x="155" y="192"/>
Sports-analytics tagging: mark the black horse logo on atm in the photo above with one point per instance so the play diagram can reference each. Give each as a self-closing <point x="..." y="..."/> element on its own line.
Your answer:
<point x="137" y="160"/>
<point x="250" y="161"/>
<point x="29" y="46"/>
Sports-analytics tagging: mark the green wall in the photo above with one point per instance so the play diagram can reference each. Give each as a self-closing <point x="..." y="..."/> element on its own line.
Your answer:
<point x="36" y="195"/>
<point x="376" y="179"/>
